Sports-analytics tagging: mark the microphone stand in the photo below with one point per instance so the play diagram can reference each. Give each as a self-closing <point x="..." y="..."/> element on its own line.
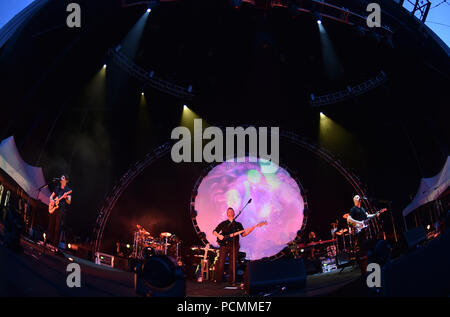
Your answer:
<point x="32" y="222"/>
<point x="234" y="246"/>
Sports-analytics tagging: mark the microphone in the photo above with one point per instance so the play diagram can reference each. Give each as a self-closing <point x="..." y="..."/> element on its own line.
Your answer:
<point x="55" y="179"/>
<point x="249" y="201"/>
<point x="364" y="197"/>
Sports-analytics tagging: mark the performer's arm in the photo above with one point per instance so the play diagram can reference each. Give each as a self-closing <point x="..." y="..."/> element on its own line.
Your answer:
<point x="218" y="235"/>
<point x="351" y="220"/>
<point x="248" y="231"/>
<point x="68" y="198"/>
<point x="51" y="196"/>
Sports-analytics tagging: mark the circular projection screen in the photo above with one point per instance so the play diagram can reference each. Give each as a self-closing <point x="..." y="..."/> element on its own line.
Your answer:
<point x="275" y="195"/>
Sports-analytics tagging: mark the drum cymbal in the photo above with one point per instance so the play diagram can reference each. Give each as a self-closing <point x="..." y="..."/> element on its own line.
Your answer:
<point x="165" y="234"/>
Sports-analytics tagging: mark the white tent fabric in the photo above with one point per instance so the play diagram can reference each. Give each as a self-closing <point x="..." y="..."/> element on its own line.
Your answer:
<point x="430" y="188"/>
<point x="29" y="178"/>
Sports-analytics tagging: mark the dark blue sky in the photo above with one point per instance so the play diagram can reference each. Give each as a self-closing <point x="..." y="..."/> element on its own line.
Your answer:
<point x="438" y="18"/>
<point x="9" y="8"/>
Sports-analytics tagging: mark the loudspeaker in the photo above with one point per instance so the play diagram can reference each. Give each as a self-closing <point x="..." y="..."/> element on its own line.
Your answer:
<point x="121" y="263"/>
<point x="159" y="276"/>
<point x="263" y="276"/>
<point x="342" y="258"/>
<point x="415" y="236"/>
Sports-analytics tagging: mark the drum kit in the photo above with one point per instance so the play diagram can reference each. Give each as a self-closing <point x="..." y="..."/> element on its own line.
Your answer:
<point x="145" y="244"/>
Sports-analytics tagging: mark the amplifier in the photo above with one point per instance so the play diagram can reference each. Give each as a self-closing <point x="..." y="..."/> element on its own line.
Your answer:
<point x="329" y="265"/>
<point x="104" y="259"/>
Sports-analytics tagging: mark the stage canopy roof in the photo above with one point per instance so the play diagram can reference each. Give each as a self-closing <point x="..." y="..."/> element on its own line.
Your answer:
<point x="430" y="188"/>
<point x="29" y="178"/>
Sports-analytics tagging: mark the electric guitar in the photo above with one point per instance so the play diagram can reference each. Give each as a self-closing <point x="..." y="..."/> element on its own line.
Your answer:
<point x="361" y="226"/>
<point x="54" y="204"/>
<point x="229" y="237"/>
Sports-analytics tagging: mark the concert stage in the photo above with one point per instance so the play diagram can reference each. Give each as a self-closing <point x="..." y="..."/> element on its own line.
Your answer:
<point x="321" y="284"/>
<point x="275" y="142"/>
<point x="38" y="272"/>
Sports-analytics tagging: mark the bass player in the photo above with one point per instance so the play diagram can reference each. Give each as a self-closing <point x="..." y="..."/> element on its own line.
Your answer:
<point x="227" y="233"/>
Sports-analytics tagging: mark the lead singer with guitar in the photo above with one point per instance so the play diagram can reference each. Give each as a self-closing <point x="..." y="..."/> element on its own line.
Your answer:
<point x="228" y="227"/>
<point x="59" y="202"/>
<point x="357" y="218"/>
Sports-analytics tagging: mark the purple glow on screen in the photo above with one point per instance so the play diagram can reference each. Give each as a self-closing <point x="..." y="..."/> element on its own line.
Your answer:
<point x="276" y="198"/>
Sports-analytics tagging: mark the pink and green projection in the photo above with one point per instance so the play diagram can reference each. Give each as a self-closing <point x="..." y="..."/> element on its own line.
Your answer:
<point x="276" y="198"/>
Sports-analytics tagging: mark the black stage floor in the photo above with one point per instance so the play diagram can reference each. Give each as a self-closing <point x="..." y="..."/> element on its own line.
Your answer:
<point x="39" y="272"/>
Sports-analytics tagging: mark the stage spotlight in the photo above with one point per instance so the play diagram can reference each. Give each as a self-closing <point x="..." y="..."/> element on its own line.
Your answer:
<point x="142" y="93"/>
<point x="188" y="117"/>
<point x="332" y="65"/>
<point x="318" y="17"/>
<point x="149" y="10"/>
<point x="130" y="43"/>
<point x="337" y="138"/>
<point x="104" y="65"/>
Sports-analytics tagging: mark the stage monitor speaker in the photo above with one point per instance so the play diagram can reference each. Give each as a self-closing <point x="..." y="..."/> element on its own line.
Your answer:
<point x="342" y="258"/>
<point x="415" y="236"/>
<point x="121" y="263"/>
<point x="159" y="276"/>
<point x="267" y="276"/>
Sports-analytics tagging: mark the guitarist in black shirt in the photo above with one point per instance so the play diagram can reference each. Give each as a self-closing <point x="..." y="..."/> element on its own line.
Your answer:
<point x="223" y="232"/>
<point x="357" y="218"/>
<point x="58" y="213"/>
